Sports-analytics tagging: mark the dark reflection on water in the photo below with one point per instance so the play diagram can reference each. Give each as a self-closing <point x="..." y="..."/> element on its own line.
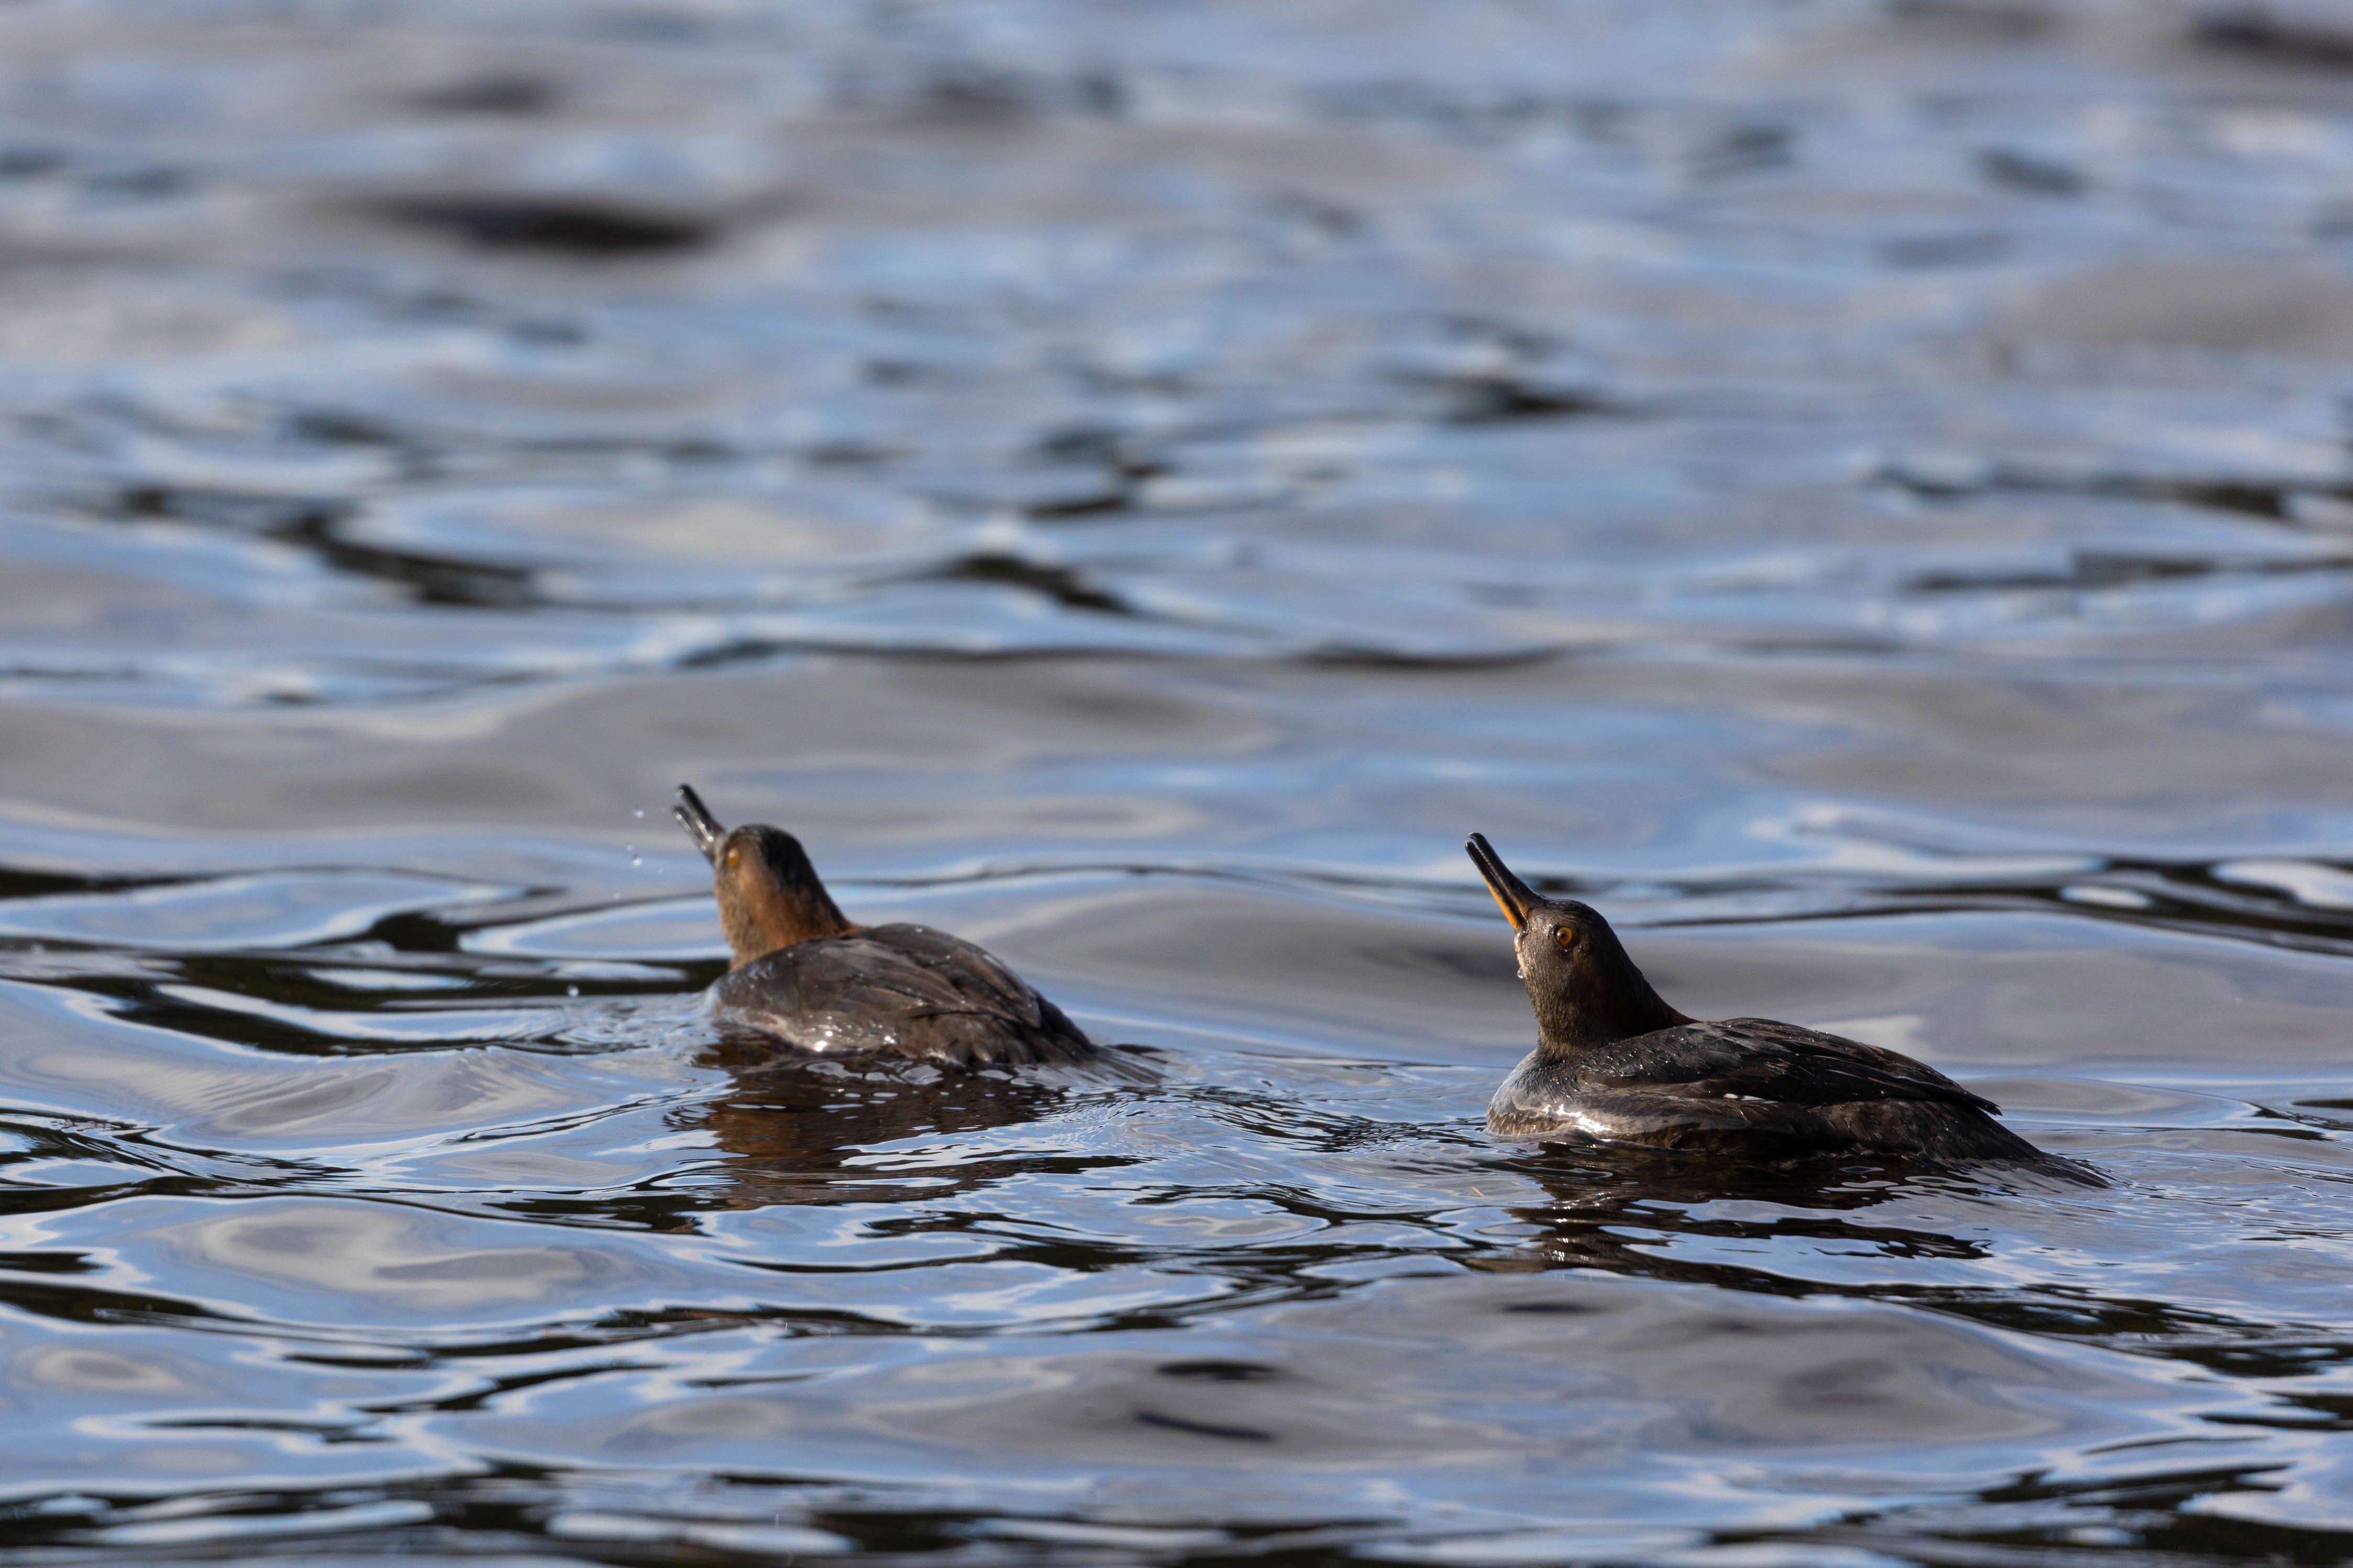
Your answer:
<point x="805" y="1132"/>
<point x="1860" y="490"/>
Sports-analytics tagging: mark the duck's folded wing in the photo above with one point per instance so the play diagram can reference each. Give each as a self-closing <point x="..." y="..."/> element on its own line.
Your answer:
<point x="1760" y="1058"/>
<point x="903" y="988"/>
<point x="962" y="977"/>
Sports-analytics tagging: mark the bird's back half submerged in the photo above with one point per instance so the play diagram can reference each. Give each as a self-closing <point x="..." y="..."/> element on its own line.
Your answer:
<point x="805" y="975"/>
<point x="1614" y="1063"/>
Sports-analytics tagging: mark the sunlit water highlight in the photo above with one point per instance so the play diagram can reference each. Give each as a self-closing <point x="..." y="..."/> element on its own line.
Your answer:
<point x="1860" y="491"/>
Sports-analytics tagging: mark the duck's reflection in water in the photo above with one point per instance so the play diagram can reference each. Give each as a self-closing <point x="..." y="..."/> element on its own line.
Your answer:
<point x="798" y="1129"/>
<point x="1662" y="1215"/>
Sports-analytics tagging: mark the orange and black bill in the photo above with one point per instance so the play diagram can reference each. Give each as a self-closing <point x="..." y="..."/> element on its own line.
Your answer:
<point x="1513" y="896"/>
<point x="700" y="824"/>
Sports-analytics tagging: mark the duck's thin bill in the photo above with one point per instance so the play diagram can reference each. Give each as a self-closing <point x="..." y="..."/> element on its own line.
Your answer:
<point x="1514" y="897"/>
<point x="700" y="824"/>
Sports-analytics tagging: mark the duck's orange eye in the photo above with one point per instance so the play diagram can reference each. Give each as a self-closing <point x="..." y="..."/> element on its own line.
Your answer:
<point x="1565" y="935"/>
<point x="734" y="855"/>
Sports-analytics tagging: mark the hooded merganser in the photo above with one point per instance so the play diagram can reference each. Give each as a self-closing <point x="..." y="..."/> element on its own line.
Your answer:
<point x="1614" y="1063"/>
<point x="805" y="975"/>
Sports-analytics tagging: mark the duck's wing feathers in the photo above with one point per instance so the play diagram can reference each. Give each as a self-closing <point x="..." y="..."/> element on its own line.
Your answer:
<point x="1758" y="1058"/>
<point x="903" y="990"/>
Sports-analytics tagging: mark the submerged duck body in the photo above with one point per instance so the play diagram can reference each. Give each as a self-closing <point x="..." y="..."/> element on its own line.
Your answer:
<point x="805" y="975"/>
<point x="1614" y="1063"/>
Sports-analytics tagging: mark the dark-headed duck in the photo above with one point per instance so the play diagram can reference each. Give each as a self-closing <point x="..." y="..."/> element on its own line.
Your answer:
<point x="1615" y="1063"/>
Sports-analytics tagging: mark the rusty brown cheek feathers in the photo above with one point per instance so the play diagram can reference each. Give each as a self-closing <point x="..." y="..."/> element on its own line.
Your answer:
<point x="761" y="911"/>
<point x="770" y="896"/>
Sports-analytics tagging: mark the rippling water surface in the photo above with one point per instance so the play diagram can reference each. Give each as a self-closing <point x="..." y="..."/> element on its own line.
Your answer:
<point x="1859" y="491"/>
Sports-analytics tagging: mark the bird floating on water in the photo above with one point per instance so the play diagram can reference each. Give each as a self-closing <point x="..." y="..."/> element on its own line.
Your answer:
<point x="805" y="974"/>
<point x="1615" y="1064"/>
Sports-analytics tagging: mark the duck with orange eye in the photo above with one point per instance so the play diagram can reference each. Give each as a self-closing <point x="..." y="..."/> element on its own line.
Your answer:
<point x="805" y="976"/>
<point x="1614" y="1063"/>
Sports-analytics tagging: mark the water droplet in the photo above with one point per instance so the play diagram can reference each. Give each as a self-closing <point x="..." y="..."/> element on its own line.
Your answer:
<point x="572" y="991"/>
<point x="636" y="859"/>
<point x="636" y="811"/>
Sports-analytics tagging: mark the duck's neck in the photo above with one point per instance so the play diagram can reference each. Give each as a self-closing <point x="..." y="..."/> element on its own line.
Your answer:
<point x="769" y="918"/>
<point x="1627" y="1005"/>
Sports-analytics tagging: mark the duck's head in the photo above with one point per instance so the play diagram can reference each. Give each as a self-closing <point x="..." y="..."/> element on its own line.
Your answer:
<point x="770" y="896"/>
<point x="1586" y="990"/>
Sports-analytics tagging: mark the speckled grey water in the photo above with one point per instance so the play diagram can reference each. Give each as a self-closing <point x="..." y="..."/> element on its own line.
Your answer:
<point x="1858" y="491"/>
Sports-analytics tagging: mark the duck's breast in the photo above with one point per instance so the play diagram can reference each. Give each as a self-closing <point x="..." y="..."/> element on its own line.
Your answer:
<point x="1545" y="1098"/>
